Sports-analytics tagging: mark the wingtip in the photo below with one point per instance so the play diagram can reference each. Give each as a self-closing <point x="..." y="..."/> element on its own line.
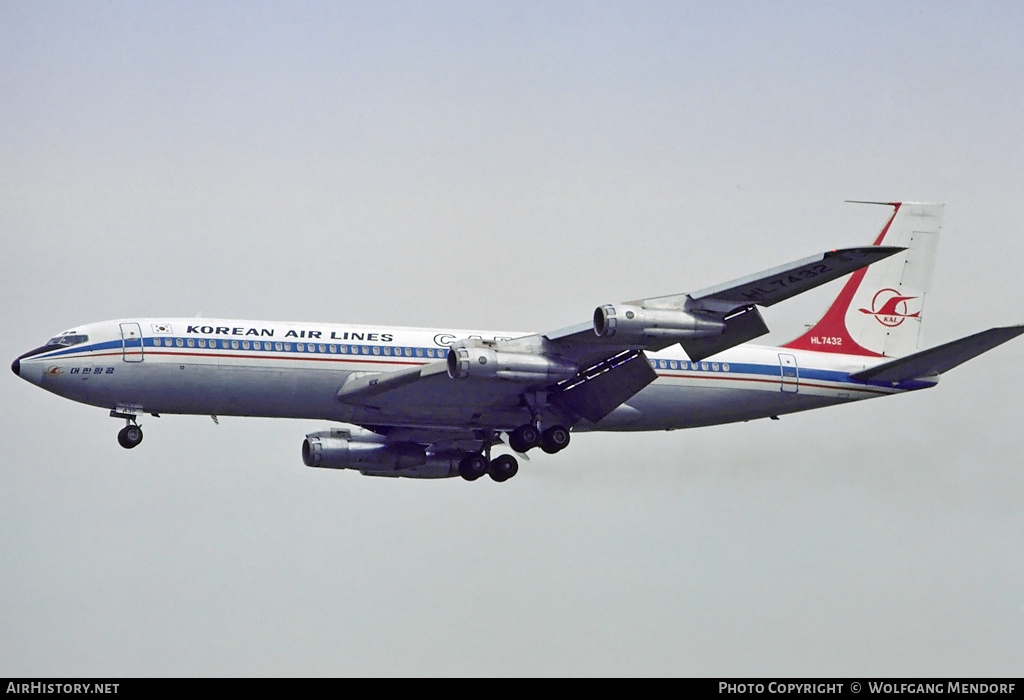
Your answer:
<point x="881" y="251"/>
<point x="865" y="201"/>
<point x="888" y="250"/>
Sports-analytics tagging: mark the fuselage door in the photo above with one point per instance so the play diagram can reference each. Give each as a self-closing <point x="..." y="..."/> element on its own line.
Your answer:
<point x="790" y="373"/>
<point x="131" y="337"/>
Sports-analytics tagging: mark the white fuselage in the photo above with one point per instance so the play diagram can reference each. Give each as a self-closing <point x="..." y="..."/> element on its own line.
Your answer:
<point x="294" y="370"/>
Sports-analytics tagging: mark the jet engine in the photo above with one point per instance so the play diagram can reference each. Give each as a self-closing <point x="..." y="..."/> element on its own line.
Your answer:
<point x="487" y="363"/>
<point x="639" y="324"/>
<point x="369" y="454"/>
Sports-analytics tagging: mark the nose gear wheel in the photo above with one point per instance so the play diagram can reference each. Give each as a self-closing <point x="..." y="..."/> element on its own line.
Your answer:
<point x="129" y="436"/>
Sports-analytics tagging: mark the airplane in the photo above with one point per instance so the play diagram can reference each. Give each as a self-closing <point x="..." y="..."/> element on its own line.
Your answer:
<point x="430" y="403"/>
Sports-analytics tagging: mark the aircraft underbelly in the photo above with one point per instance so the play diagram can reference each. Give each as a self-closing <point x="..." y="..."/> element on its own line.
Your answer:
<point x="206" y="389"/>
<point x="668" y="407"/>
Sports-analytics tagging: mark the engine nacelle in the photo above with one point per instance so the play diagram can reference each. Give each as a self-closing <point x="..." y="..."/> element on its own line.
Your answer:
<point x="370" y="455"/>
<point x="339" y="449"/>
<point x="487" y="363"/>
<point x="630" y="323"/>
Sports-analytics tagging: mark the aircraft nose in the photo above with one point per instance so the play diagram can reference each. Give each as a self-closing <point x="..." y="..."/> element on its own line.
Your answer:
<point x="16" y="366"/>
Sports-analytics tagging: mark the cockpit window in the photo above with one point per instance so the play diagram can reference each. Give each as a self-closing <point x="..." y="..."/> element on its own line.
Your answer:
<point x="68" y="340"/>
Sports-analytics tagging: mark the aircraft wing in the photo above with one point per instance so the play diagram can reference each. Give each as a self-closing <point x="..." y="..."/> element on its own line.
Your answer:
<point x="732" y="304"/>
<point x="777" y="284"/>
<point x="589" y="369"/>
<point x="427" y="395"/>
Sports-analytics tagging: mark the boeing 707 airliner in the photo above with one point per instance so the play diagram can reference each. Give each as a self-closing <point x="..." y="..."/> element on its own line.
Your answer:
<point x="431" y="403"/>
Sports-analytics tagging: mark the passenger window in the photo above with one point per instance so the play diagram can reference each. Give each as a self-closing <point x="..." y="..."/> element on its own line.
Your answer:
<point x="179" y="343"/>
<point x="234" y="344"/>
<point x="245" y="344"/>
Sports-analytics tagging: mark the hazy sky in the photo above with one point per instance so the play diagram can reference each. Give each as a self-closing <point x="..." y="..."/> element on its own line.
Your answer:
<point x="509" y="166"/>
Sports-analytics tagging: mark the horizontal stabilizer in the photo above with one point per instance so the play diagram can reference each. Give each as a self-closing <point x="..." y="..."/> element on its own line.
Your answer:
<point x="943" y="358"/>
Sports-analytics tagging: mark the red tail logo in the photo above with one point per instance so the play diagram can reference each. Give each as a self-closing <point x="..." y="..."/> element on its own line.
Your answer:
<point x="889" y="308"/>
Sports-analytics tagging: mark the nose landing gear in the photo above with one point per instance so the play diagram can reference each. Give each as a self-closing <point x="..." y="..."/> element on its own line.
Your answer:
<point x="129" y="436"/>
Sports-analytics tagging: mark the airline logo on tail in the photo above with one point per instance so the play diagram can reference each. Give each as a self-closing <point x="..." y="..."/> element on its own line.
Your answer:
<point x="889" y="292"/>
<point x="889" y="308"/>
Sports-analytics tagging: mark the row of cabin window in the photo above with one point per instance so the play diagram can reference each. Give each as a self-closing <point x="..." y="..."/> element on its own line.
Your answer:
<point x="683" y="364"/>
<point x="301" y="347"/>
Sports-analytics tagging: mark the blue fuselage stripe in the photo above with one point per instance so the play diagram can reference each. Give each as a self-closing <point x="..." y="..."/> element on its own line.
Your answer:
<point x="410" y="355"/>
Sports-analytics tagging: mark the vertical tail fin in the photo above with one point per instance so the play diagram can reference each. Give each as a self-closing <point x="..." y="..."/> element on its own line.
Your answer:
<point x="879" y="310"/>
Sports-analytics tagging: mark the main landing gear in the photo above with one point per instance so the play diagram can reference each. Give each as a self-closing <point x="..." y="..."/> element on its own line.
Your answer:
<point x="503" y="467"/>
<point x="528" y="436"/>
